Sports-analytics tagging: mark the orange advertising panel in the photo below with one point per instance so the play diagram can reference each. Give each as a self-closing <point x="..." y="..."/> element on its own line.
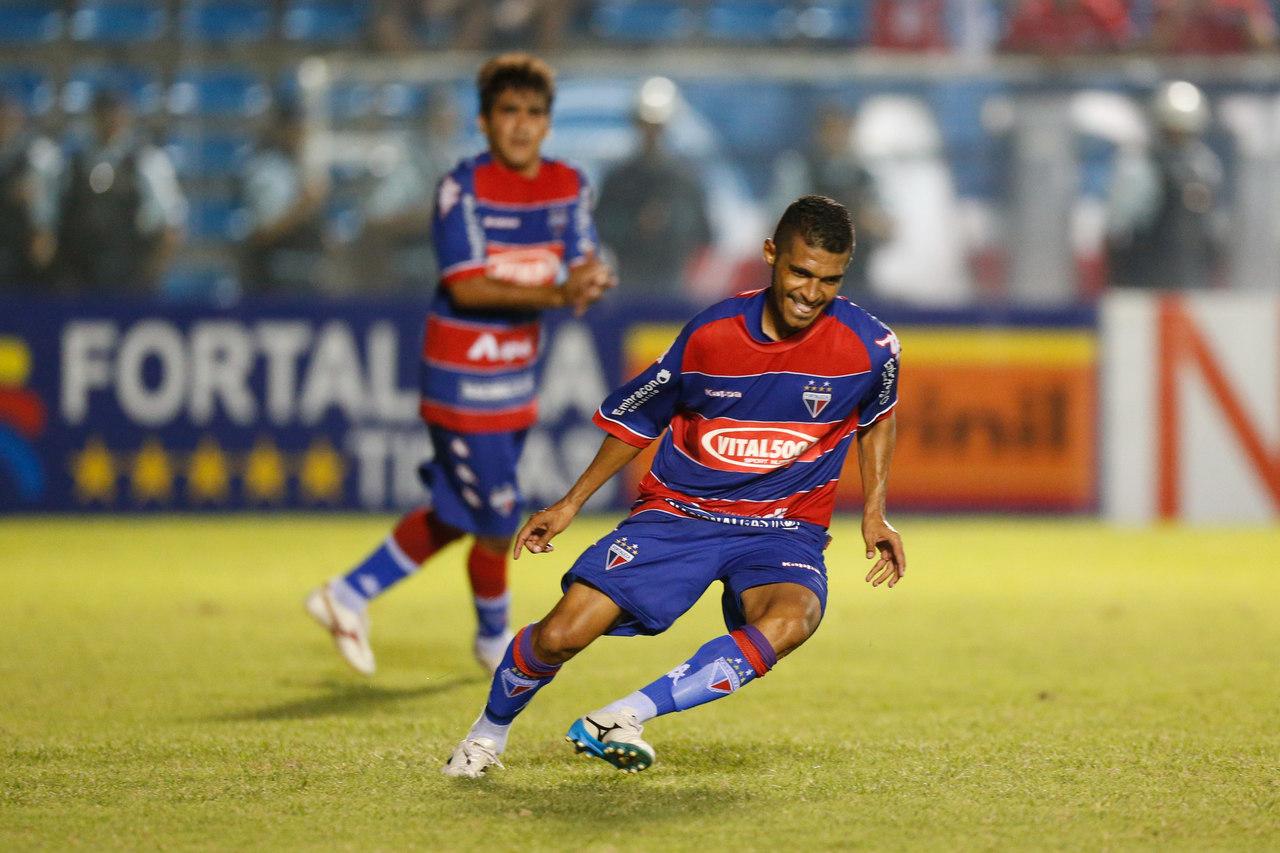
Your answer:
<point x="989" y="418"/>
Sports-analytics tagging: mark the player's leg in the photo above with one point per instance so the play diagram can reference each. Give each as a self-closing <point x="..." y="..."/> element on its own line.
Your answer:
<point x="487" y="573"/>
<point x="775" y="594"/>
<point x="340" y="604"/>
<point x="531" y="660"/>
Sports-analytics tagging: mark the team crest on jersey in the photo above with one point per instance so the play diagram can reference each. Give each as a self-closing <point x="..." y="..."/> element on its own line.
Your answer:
<point x="816" y="396"/>
<point x="514" y="684"/>
<point x="620" y="553"/>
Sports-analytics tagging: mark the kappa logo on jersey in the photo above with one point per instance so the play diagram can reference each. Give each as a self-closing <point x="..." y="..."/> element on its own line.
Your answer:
<point x="816" y="396"/>
<point x="513" y="684"/>
<point x="759" y="448"/>
<point x="620" y="553"/>
<point x="890" y="340"/>
<point x="450" y="192"/>
<point x="529" y="267"/>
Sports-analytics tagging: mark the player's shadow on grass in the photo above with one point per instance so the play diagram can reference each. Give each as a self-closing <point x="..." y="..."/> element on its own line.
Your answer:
<point x="343" y="699"/>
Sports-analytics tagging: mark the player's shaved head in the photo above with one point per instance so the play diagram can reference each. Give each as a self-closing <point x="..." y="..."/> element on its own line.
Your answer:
<point x="821" y="222"/>
<point x="522" y="71"/>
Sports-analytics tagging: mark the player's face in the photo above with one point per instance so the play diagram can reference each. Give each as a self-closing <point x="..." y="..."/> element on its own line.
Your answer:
<point x="805" y="281"/>
<point x="515" y="126"/>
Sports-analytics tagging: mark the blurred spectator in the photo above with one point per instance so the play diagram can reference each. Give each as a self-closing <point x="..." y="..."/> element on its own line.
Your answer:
<point x="29" y="175"/>
<point x="909" y="25"/>
<point x="122" y="213"/>
<point x="283" y="203"/>
<point x="397" y="236"/>
<point x="399" y="25"/>
<point x="653" y="211"/>
<point x="1164" y="224"/>
<point x="1213" y="26"/>
<point x="1058" y="27"/>
<point x="829" y="166"/>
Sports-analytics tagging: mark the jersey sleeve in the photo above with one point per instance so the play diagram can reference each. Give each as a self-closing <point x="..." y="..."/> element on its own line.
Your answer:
<point x="882" y="395"/>
<point x="581" y="239"/>
<point x="455" y="229"/>
<point x="639" y="410"/>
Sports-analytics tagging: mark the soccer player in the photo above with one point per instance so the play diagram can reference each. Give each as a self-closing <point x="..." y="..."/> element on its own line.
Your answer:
<point x="514" y="237"/>
<point x="761" y="397"/>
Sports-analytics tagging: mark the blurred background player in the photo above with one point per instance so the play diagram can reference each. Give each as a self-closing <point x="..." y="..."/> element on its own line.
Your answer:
<point x="1165" y="221"/>
<point x="29" y="171"/>
<point x="283" y="201"/>
<point x="750" y="510"/>
<point x="508" y="226"/>
<point x="122" y="214"/>
<point x="653" y="211"/>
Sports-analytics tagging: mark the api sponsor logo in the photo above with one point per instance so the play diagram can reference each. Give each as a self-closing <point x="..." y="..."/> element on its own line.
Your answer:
<point x="620" y="553"/>
<point x="756" y="448"/>
<point x="488" y="348"/>
<point x="529" y="267"/>
<point x="644" y="393"/>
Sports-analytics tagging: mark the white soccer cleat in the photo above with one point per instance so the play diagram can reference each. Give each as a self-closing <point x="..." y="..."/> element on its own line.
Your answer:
<point x="615" y="737"/>
<point x="472" y="758"/>
<point x="490" y="650"/>
<point x="349" y="628"/>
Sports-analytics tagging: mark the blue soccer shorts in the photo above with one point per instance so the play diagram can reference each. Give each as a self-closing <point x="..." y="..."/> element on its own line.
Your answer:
<point x="655" y="566"/>
<point x="472" y="480"/>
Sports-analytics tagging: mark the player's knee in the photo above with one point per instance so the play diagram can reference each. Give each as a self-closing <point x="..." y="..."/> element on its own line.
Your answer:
<point x="786" y="633"/>
<point x="555" y="642"/>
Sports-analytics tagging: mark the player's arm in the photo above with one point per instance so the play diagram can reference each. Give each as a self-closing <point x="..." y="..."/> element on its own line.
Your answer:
<point x="585" y="284"/>
<point x="875" y="450"/>
<point x="543" y="526"/>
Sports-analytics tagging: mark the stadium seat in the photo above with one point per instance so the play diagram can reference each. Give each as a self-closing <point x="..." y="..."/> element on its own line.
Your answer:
<point x="218" y="92"/>
<point x="208" y="155"/>
<point x="140" y="85"/>
<point x="833" y="21"/>
<point x="212" y="218"/>
<point x="643" y="22"/>
<point x="752" y="21"/>
<point x="25" y="23"/>
<point x="325" y="21"/>
<point x="118" y="21"/>
<point x="30" y="86"/>
<point x="226" y="21"/>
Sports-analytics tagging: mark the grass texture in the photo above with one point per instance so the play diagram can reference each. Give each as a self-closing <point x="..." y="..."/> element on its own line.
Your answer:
<point x="1030" y="685"/>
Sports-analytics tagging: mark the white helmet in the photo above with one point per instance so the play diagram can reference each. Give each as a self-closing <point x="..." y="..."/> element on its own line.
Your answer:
<point x="1181" y="107"/>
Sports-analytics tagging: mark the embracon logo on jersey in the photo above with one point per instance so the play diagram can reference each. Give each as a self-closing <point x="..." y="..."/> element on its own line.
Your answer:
<point x="644" y="393"/>
<point x="757" y="448"/>
<point x="533" y="267"/>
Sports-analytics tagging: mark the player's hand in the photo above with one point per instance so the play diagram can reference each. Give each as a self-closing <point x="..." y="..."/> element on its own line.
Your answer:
<point x="885" y="545"/>
<point x="541" y="528"/>
<point x="587" y="282"/>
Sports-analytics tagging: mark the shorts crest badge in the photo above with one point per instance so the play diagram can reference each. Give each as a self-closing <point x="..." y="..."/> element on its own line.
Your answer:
<point x="620" y="553"/>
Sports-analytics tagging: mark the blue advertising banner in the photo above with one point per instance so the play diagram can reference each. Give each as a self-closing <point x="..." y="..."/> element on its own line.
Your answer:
<point x="150" y="406"/>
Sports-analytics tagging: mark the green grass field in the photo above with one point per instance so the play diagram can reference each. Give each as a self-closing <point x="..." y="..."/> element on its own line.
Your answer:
<point x="1034" y="685"/>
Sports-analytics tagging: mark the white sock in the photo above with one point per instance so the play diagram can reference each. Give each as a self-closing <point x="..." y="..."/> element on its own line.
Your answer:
<point x="637" y="703"/>
<point x="484" y="727"/>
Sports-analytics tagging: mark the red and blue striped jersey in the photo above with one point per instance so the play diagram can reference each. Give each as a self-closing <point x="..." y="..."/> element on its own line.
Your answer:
<point x="756" y="430"/>
<point x="478" y="366"/>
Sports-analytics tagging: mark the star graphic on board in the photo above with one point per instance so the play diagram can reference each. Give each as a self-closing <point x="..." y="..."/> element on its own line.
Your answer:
<point x="151" y="473"/>
<point x="208" y="478"/>
<point x="93" y="471"/>
<point x="321" y="472"/>
<point x="264" y="472"/>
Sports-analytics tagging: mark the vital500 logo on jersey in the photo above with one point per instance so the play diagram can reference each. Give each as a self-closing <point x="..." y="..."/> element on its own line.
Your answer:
<point x="750" y="448"/>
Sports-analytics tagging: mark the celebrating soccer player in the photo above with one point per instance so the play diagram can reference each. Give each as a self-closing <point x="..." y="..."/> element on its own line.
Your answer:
<point x="761" y="397"/>
<point x="514" y="236"/>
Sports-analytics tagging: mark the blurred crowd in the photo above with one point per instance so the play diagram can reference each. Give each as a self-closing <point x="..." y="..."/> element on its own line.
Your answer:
<point x="105" y="210"/>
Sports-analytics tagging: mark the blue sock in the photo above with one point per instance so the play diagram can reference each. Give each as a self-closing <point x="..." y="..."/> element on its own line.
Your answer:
<point x="519" y="676"/>
<point x="491" y="614"/>
<point x="717" y="669"/>
<point x="380" y="571"/>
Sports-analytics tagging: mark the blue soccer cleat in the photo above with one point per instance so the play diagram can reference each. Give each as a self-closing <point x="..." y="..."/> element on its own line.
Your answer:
<point x="612" y="736"/>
